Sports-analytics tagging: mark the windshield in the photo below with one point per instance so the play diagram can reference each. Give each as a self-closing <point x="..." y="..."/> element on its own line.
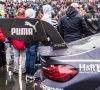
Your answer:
<point x="87" y="43"/>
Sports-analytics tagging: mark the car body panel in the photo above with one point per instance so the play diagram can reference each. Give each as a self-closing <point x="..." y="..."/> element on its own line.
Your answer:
<point x="82" y="52"/>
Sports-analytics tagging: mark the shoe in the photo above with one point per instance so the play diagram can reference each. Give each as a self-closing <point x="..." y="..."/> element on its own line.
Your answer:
<point x="31" y="78"/>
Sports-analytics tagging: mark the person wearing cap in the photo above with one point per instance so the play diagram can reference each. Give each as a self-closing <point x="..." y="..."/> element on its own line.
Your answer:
<point x="72" y="25"/>
<point x="78" y="8"/>
<point x="31" y="50"/>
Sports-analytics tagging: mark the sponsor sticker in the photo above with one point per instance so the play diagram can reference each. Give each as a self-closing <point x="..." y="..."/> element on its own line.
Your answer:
<point x="89" y="68"/>
<point x="45" y="87"/>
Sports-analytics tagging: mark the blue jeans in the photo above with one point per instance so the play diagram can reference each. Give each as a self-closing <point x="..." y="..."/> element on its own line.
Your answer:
<point x="31" y="55"/>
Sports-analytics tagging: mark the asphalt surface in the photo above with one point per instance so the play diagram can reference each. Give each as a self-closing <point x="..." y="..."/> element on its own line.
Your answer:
<point x="13" y="82"/>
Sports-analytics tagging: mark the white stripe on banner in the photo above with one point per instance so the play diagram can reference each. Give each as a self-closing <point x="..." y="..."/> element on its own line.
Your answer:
<point x="79" y="60"/>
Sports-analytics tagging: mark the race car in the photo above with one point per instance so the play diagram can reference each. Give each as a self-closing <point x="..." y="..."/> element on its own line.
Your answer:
<point x="74" y="68"/>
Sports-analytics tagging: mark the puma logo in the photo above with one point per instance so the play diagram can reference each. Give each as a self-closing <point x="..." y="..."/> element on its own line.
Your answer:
<point x="24" y="31"/>
<point x="33" y="26"/>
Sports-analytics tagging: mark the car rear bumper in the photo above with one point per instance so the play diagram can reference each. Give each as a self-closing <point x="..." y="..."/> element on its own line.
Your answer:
<point x="79" y="82"/>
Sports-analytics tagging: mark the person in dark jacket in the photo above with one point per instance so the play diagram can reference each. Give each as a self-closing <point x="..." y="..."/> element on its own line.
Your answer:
<point x="31" y="50"/>
<point x="72" y="25"/>
<point x="98" y="30"/>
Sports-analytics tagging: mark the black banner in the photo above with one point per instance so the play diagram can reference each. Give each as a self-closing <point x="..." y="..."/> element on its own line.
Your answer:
<point x="30" y="30"/>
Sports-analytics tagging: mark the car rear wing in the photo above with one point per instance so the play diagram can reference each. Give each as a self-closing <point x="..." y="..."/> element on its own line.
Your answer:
<point x="32" y="30"/>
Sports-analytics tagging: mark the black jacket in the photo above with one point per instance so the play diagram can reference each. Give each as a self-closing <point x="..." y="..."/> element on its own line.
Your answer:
<point x="72" y="25"/>
<point x="98" y="30"/>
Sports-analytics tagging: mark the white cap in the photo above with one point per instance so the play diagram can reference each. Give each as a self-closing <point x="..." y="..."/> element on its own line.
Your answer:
<point x="75" y="5"/>
<point x="30" y="13"/>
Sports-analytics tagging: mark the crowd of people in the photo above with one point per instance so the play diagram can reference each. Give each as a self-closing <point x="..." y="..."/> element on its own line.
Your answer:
<point x="69" y="18"/>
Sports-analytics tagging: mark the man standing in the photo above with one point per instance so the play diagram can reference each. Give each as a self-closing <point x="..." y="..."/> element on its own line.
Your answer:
<point x="72" y="25"/>
<point x="31" y="49"/>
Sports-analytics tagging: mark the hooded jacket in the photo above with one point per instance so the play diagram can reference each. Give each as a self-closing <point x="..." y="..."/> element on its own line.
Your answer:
<point x="98" y="30"/>
<point x="47" y="11"/>
<point x="72" y="25"/>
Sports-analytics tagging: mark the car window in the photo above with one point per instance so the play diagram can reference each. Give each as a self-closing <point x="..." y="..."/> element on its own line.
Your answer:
<point x="88" y="43"/>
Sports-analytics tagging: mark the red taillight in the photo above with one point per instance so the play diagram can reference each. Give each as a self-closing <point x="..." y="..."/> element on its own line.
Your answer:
<point x="59" y="73"/>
